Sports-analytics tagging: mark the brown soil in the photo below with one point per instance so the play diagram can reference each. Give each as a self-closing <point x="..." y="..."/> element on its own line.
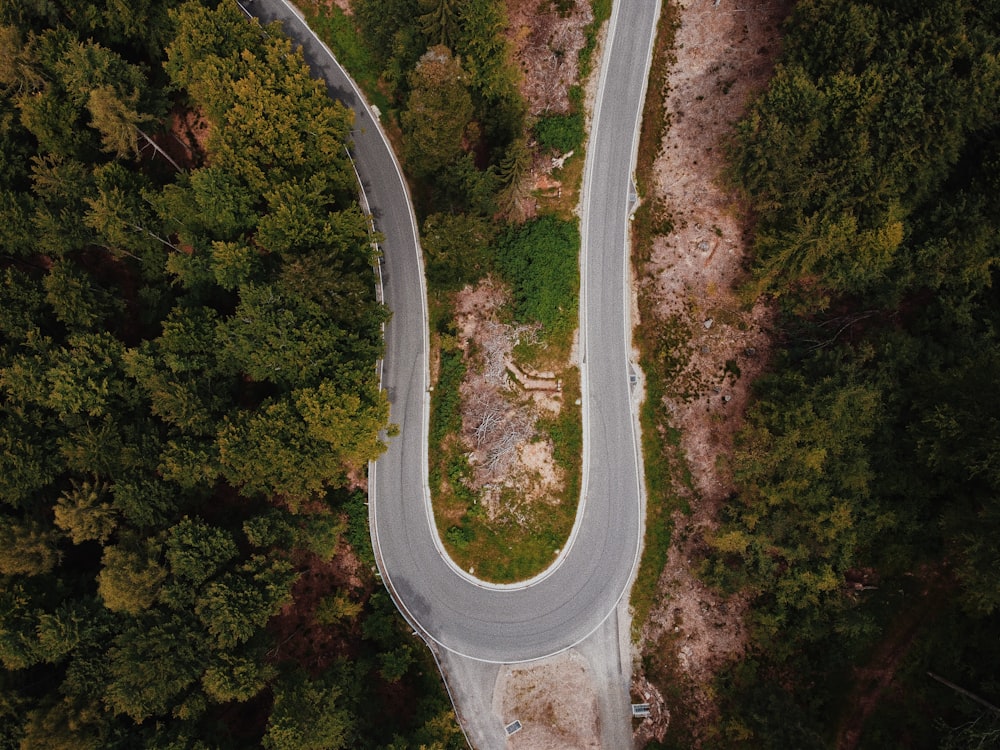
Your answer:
<point x="724" y="55"/>
<point x="555" y="702"/>
<point x="188" y="136"/>
<point x="344" y="5"/>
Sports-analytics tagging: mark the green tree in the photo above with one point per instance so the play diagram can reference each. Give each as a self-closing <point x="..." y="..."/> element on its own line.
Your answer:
<point x="805" y="510"/>
<point x="438" y="113"/>
<point x="456" y="247"/>
<point x="131" y="576"/>
<point x="393" y="664"/>
<point x="57" y="727"/>
<point x="336" y="608"/>
<point x="236" y="607"/>
<point x="511" y="173"/>
<point x="28" y="547"/>
<point x="197" y="551"/>
<point x="307" y="715"/>
<point x="297" y="449"/>
<point x="78" y="302"/>
<point x="441" y="21"/>
<point x="233" y="677"/>
<point x="347" y="423"/>
<point x="123" y="221"/>
<point x="279" y="338"/>
<point x="23" y="305"/>
<point x="485" y="50"/>
<point x="85" y="512"/>
<point x="484" y="47"/>
<point x="29" y="461"/>
<point x="539" y="259"/>
<point x="85" y="377"/>
<point x="222" y="204"/>
<point x="18" y="648"/>
<point x="205" y="55"/>
<point x="152" y="664"/>
<point x="61" y="186"/>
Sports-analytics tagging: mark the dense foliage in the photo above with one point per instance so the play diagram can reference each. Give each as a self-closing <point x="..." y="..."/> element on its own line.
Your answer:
<point x="446" y="68"/>
<point x="540" y="260"/>
<point x="187" y="344"/>
<point x="869" y="490"/>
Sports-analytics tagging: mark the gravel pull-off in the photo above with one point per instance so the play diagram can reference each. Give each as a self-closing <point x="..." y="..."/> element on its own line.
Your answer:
<point x="555" y="702"/>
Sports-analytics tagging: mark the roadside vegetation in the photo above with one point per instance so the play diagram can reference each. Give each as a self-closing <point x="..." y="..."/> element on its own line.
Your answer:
<point x="662" y="343"/>
<point x="502" y="265"/>
<point x="865" y="524"/>
<point x="188" y="397"/>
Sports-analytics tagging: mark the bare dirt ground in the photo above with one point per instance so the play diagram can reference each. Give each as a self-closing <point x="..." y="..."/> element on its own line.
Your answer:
<point x="546" y="44"/>
<point x="725" y="51"/>
<point x="344" y="5"/>
<point x="555" y="701"/>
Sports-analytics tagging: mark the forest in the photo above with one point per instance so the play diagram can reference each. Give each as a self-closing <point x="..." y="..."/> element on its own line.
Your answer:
<point x="188" y="338"/>
<point x="866" y="522"/>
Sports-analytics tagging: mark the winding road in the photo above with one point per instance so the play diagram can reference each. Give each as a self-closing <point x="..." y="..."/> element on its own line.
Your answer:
<point x="560" y="608"/>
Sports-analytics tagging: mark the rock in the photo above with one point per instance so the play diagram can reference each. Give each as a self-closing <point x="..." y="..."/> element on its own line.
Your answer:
<point x="708" y="323"/>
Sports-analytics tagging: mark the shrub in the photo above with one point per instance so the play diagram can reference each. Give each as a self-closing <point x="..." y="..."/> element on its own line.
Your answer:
<point x="539" y="259"/>
<point x="562" y="133"/>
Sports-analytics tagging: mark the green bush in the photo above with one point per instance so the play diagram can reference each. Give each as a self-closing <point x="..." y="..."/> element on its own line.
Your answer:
<point x="539" y="259"/>
<point x="562" y="133"/>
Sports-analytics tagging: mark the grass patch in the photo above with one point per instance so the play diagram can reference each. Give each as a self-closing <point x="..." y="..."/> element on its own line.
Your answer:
<point x="344" y="38"/>
<point x="663" y="461"/>
<point x="358" y="533"/>
<point x="656" y="120"/>
<point x="563" y="204"/>
<point x="566" y="431"/>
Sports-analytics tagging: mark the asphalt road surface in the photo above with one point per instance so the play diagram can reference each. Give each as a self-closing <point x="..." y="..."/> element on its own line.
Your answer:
<point x="562" y="607"/>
